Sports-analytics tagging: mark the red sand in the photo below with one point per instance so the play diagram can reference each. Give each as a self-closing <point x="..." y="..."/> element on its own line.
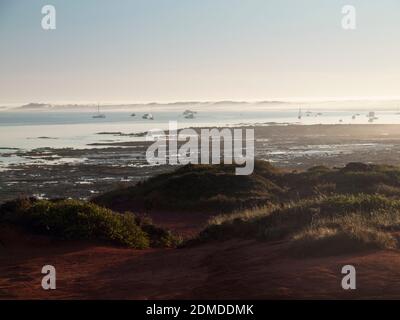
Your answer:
<point x="224" y="270"/>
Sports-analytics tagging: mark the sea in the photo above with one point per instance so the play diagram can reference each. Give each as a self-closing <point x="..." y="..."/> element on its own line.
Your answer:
<point x="76" y="128"/>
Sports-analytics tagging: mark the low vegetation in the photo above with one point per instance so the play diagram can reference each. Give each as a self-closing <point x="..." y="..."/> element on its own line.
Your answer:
<point x="326" y="225"/>
<point x="318" y="211"/>
<point x="216" y="188"/>
<point x="73" y="219"/>
<point x="204" y="188"/>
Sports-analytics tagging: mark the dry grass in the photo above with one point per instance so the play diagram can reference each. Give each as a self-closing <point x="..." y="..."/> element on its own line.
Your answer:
<point x="325" y="225"/>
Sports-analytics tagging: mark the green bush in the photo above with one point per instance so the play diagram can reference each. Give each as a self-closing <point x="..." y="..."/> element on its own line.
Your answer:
<point x="73" y="219"/>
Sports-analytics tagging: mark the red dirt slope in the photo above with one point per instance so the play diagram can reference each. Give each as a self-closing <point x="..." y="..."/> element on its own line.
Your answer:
<point x="228" y="270"/>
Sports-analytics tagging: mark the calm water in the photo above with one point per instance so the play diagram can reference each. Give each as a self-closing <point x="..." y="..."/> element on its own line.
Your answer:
<point x="29" y="130"/>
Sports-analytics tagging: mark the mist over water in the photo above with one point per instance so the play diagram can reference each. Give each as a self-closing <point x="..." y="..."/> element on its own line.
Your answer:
<point x="75" y="127"/>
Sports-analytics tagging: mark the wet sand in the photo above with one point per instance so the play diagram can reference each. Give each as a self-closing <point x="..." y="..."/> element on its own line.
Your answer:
<point x="116" y="164"/>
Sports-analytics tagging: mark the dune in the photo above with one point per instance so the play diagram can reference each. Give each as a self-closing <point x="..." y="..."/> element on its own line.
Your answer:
<point x="310" y="225"/>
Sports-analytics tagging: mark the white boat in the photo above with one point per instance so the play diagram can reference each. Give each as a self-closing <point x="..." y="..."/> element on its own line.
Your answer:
<point x="371" y="116"/>
<point x="187" y="111"/>
<point x="99" y="115"/>
<point x="148" y="116"/>
<point x="189" y="114"/>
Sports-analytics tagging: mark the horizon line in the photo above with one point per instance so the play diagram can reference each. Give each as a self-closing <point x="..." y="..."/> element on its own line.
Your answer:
<point x="168" y="102"/>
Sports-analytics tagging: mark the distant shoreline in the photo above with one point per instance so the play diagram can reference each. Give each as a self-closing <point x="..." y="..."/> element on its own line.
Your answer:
<point x="392" y="103"/>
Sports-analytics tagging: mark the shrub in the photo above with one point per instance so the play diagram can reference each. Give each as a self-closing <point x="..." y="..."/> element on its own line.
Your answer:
<point x="73" y="219"/>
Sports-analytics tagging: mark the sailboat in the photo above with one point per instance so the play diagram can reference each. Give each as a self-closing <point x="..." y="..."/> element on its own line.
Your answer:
<point x="300" y="115"/>
<point x="99" y="115"/>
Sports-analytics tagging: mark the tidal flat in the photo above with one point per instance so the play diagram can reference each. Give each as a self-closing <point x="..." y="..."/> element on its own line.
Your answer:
<point x="84" y="173"/>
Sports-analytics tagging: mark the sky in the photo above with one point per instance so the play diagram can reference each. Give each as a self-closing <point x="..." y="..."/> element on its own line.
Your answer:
<point x="191" y="50"/>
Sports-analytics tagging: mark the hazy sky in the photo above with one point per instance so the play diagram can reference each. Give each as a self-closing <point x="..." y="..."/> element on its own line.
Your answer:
<point x="170" y="50"/>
